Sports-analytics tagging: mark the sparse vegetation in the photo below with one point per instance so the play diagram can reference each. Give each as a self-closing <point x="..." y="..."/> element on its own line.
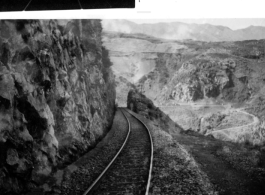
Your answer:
<point x="250" y="49"/>
<point x="231" y="167"/>
<point x="106" y="63"/>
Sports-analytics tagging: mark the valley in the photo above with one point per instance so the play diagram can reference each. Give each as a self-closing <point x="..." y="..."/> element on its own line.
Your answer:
<point x="208" y="87"/>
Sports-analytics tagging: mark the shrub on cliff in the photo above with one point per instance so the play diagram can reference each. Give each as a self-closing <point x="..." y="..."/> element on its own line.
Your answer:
<point x="107" y="64"/>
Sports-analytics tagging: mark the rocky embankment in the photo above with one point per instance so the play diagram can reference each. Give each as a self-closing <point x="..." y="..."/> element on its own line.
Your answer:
<point x="187" y="162"/>
<point x="140" y="104"/>
<point x="57" y="96"/>
<point x="174" y="170"/>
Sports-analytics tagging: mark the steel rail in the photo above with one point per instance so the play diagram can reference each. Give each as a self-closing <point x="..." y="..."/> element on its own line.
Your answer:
<point x="152" y="151"/>
<point x="106" y="169"/>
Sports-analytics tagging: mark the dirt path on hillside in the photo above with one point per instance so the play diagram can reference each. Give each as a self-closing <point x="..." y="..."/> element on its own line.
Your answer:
<point x="235" y="128"/>
<point x="234" y="169"/>
<point x="229" y="176"/>
<point x="239" y="128"/>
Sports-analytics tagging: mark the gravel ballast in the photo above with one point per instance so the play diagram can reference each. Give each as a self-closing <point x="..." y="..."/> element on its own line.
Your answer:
<point x="174" y="169"/>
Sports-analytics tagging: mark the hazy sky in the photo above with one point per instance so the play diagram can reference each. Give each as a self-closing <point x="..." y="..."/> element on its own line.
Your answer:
<point x="233" y="23"/>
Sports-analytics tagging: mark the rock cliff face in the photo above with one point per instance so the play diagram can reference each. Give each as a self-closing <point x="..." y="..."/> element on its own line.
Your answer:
<point x="57" y="96"/>
<point x="203" y="80"/>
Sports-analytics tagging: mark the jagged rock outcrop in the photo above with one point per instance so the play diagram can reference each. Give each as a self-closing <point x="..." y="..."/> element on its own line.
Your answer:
<point x="57" y="96"/>
<point x="186" y="85"/>
<point x="191" y="82"/>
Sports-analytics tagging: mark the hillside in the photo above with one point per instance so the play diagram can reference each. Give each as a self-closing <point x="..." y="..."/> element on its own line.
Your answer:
<point x="192" y="76"/>
<point x="214" y="72"/>
<point x="180" y="31"/>
<point x="57" y="97"/>
<point x="219" y="167"/>
<point x="172" y="71"/>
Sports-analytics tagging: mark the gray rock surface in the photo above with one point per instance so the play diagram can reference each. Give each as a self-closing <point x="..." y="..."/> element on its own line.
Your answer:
<point x="57" y="97"/>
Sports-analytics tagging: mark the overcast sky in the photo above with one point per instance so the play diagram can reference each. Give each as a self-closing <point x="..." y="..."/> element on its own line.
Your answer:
<point x="233" y="23"/>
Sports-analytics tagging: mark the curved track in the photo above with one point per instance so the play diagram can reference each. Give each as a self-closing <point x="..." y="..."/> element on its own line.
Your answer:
<point x="129" y="172"/>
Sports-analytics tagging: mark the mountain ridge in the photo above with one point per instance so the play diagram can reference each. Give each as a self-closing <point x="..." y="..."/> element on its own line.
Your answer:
<point x="179" y="30"/>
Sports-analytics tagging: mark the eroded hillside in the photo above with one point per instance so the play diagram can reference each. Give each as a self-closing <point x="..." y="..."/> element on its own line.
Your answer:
<point x="57" y="96"/>
<point x="213" y="166"/>
<point x="187" y="71"/>
<point x="213" y="71"/>
<point x="192" y="76"/>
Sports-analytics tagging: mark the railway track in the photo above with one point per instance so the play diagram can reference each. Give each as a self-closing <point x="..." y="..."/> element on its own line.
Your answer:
<point x="129" y="172"/>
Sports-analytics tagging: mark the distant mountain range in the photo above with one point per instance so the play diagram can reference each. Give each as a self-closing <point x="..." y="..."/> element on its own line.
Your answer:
<point x="180" y="31"/>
